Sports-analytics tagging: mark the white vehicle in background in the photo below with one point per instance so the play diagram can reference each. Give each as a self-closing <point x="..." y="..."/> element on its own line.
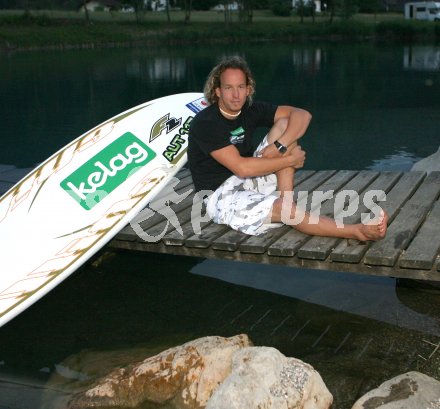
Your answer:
<point x="423" y="10"/>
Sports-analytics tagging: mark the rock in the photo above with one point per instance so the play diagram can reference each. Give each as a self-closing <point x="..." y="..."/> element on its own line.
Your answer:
<point x="183" y="377"/>
<point x="412" y="390"/>
<point x="429" y="164"/>
<point x="262" y="377"/>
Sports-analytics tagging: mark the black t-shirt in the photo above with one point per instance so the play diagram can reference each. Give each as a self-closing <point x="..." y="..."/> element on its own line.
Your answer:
<point x="210" y="131"/>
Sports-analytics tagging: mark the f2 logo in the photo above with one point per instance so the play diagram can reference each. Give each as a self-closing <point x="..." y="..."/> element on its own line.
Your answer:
<point x="164" y="123"/>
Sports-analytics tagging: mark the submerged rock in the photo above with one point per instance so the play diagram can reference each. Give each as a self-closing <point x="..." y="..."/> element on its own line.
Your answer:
<point x="429" y="164"/>
<point x="412" y="390"/>
<point x="262" y="377"/>
<point x="183" y="376"/>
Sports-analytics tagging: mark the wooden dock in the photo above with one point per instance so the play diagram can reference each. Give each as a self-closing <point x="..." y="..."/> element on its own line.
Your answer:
<point x="411" y="248"/>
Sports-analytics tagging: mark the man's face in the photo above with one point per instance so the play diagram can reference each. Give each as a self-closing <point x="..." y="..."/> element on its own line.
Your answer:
<point x="233" y="90"/>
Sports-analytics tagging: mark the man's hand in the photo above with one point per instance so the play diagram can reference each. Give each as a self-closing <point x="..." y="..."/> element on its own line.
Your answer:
<point x="270" y="151"/>
<point x="294" y="150"/>
<point x="298" y="156"/>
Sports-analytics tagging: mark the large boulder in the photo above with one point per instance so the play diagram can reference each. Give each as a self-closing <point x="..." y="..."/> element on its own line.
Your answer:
<point x="412" y="390"/>
<point x="182" y="377"/>
<point x="262" y="377"/>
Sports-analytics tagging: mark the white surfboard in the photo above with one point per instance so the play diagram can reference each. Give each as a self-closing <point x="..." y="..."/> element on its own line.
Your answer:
<point x="70" y="206"/>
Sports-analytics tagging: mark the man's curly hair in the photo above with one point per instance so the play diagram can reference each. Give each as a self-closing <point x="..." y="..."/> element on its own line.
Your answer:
<point x="213" y="80"/>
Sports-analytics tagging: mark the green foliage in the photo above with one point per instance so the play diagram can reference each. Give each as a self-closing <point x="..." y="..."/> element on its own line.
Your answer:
<point x="348" y="8"/>
<point x="27" y="19"/>
<point x="256" y="4"/>
<point x="371" y="6"/>
<point x="204" y="4"/>
<point x="305" y="8"/>
<point x="407" y="30"/>
<point x="281" y="8"/>
<point x="24" y="30"/>
<point x="38" y="4"/>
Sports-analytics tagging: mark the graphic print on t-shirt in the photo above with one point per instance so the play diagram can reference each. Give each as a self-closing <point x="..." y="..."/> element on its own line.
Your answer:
<point x="237" y="136"/>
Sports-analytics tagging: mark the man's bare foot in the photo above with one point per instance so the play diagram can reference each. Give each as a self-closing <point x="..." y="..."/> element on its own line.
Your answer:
<point x="375" y="229"/>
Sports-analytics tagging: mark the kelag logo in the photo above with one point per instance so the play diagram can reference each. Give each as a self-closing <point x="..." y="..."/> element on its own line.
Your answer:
<point x="103" y="173"/>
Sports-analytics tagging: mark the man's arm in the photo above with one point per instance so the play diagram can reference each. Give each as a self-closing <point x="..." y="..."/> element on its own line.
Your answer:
<point x="290" y="124"/>
<point x="298" y="122"/>
<point x="244" y="167"/>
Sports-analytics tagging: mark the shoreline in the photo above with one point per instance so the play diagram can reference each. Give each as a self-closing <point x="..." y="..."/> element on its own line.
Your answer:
<point x="33" y="33"/>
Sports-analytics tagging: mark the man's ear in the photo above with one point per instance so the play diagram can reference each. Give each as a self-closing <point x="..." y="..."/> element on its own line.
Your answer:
<point x="217" y="92"/>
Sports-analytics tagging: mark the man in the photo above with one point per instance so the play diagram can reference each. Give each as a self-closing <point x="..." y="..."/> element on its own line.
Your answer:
<point x="253" y="190"/>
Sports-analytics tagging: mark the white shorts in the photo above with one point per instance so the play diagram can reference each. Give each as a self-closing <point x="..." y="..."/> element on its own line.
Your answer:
<point x="245" y="204"/>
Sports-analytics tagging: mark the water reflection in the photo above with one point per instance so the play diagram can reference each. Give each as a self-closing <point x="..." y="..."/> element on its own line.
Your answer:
<point x="401" y="161"/>
<point x="421" y="58"/>
<point x="366" y="107"/>
<point x="371" y="297"/>
<point x="307" y="59"/>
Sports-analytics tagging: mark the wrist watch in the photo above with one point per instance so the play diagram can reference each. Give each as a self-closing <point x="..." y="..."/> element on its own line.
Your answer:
<point x="281" y="148"/>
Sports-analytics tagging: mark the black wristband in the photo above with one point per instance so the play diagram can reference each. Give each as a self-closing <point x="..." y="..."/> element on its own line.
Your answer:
<point x="281" y="148"/>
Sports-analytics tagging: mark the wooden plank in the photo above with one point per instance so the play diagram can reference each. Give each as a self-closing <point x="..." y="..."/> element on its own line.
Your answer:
<point x="183" y="185"/>
<point x="352" y="251"/>
<point x="402" y="192"/>
<point x="424" y="249"/>
<point x="161" y="230"/>
<point x="406" y="223"/>
<point x="127" y="234"/>
<point x="153" y="217"/>
<point x="259" y="244"/>
<point x="229" y="241"/>
<point x="288" y="244"/>
<point x="143" y="226"/>
<point x="148" y="218"/>
<point x="317" y="179"/>
<point x="339" y="179"/>
<point x="318" y="248"/>
<point x="302" y="175"/>
<point x="207" y="236"/>
<point x="185" y="179"/>
<point x="293" y="262"/>
<point x="176" y="238"/>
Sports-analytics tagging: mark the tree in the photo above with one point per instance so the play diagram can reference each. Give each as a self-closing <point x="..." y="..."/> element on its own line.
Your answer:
<point x="139" y="8"/>
<point x="247" y="10"/>
<point x="203" y="4"/>
<point x="300" y="6"/>
<point x="348" y="8"/>
<point x="281" y="7"/>
<point x="371" y="6"/>
<point x="167" y="8"/>
<point x="228" y="12"/>
<point x="187" y="8"/>
<point x="330" y="5"/>
<point x="86" y="11"/>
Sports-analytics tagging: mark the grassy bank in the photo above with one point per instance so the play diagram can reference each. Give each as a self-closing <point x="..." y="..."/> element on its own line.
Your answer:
<point x="54" y="29"/>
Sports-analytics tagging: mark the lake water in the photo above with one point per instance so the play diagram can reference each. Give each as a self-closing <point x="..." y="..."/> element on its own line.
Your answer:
<point x="374" y="107"/>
